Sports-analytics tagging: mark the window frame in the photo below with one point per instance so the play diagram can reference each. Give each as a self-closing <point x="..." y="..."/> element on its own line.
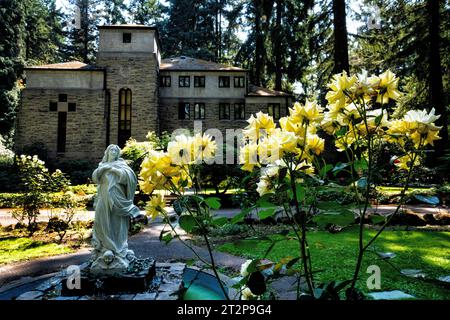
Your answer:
<point x="196" y="84"/>
<point x="188" y="113"/>
<point x="238" y="106"/>
<point x="163" y="83"/>
<point x="239" y="78"/>
<point x="221" y="114"/>
<point x="201" y="106"/>
<point x="126" y="37"/>
<point x="184" y="81"/>
<point x="221" y="84"/>
<point x="273" y="105"/>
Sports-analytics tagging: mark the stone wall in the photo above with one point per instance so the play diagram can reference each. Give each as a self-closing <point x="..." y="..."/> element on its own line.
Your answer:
<point x="86" y="127"/>
<point x="168" y="113"/>
<point x="137" y="72"/>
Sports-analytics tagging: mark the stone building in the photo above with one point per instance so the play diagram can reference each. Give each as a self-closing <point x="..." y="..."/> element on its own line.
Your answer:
<point x="76" y="110"/>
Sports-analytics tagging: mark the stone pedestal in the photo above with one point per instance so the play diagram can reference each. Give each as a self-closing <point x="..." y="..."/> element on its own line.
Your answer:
<point x="136" y="278"/>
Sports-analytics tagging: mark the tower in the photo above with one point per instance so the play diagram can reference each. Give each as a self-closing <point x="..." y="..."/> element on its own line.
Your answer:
<point x="131" y="56"/>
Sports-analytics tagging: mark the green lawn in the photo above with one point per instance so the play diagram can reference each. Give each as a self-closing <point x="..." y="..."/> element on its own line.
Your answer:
<point x="20" y="249"/>
<point x="335" y="254"/>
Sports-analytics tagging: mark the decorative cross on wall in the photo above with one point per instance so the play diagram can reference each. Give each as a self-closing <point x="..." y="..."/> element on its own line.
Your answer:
<point x="62" y="107"/>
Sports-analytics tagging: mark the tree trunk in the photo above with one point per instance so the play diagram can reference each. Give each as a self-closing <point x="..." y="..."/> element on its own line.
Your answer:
<point x="340" y="37"/>
<point x="259" y="43"/>
<point x="435" y="76"/>
<point x="277" y="48"/>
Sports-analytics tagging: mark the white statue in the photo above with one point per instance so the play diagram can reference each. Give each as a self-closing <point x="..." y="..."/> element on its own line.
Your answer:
<point x="116" y="185"/>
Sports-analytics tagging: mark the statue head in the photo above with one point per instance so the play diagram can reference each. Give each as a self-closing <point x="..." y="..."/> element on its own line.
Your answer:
<point x="108" y="257"/>
<point x="112" y="153"/>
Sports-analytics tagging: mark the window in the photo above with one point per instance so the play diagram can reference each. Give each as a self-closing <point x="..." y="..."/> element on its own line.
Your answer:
<point x="184" y="111"/>
<point x="199" y="111"/>
<point x="124" y="116"/>
<point x="224" y="111"/>
<point x="199" y="81"/>
<point x="239" y="82"/>
<point x="224" y="82"/>
<point x="184" y="81"/>
<point x="126" y="38"/>
<point x="239" y="111"/>
<point x="72" y="107"/>
<point x="165" y="81"/>
<point x="273" y="109"/>
<point x="62" y="97"/>
<point x="53" y="106"/>
<point x="62" y="128"/>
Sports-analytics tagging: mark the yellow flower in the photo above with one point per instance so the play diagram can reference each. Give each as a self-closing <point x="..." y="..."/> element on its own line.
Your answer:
<point x="155" y="206"/>
<point x="264" y="186"/>
<point x="329" y="125"/>
<point x="339" y="85"/>
<point x="344" y="142"/>
<point x="204" y="147"/>
<point x="258" y="126"/>
<point x="423" y="119"/>
<point x="386" y="84"/>
<point x="405" y="162"/>
<point x="310" y="112"/>
<point x="181" y="150"/>
<point x="315" y="144"/>
<point x="248" y="156"/>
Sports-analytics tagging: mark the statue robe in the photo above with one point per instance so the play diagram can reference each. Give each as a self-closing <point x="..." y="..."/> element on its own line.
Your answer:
<point x="113" y="207"/>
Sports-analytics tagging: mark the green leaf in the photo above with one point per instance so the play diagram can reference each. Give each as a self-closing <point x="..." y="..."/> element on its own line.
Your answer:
<point x="339" y="167"/>
<point x="264" y="214"/>
<point x="301" y="192"/>
<point x="167" y="238"/>
<point x="264" y="202"/>
<point x="178" y="207"/>
<point x="378" y="119"/>
<point x="220" y="221"/>
<point x="240" y="216"/>
<point x="187" y="223"/>
<point x="360" y="164"/>
<point x="341" y="132"/>
<point x="292" y="262"/>
<point x="213" y="203"/>
<point x="325" y="169"/>
<point x="362" y="183"/>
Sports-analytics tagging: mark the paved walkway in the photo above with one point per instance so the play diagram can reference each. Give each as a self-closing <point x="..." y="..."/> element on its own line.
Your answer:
<point x="145" y="244"/>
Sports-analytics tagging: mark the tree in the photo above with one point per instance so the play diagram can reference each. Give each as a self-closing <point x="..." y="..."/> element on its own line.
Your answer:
<point x="113" y="11"/>
<point x="340" y="37"/>
<point x="82" y="34"/>
<point x="11" y="61"/>
<point x="146" y="12"/>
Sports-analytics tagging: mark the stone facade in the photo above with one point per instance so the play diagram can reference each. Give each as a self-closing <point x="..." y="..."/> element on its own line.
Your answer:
<point x="85" y="127"/>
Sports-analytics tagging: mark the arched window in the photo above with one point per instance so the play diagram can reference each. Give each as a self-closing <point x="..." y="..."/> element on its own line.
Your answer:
<point x="124" y="116"/>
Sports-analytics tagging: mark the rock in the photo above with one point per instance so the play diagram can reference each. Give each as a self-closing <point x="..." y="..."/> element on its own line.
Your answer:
<point x="443" y="219"/>
<point x="430" y="219"/>
<point x="30" y="295"/>
<point x="145" y="296"/>
<point x="444" y="281"/>
<point x="61" y="298"/>
<point x="166" y="296"/>
<point x="169" y="287"/>
<point x="386" y="255"/>
<point x="126" y="297"/>
<point x="390" y="295"/>
<point x="413" y="273"/>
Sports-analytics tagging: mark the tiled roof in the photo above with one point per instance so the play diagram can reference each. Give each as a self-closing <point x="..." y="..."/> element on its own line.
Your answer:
<point x="71" y="65"/>
<point x="126" y="26"/>
<point x="255" y="91"/>
<point x="192" y="64"/>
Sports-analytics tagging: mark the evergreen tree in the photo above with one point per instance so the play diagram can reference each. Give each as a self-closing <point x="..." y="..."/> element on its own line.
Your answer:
<point x="83" y="34"/>
<point x="114" y="11"/>
<point x="11" y="61"/>
<point x="146" y="12"/>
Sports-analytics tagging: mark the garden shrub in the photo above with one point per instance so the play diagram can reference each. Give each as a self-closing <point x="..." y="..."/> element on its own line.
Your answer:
<point x="78" y="171"/>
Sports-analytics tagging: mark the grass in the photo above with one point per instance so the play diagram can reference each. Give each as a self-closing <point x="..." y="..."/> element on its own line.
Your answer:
<point x="335" y="254"/>
<point x="21" y="249"/>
